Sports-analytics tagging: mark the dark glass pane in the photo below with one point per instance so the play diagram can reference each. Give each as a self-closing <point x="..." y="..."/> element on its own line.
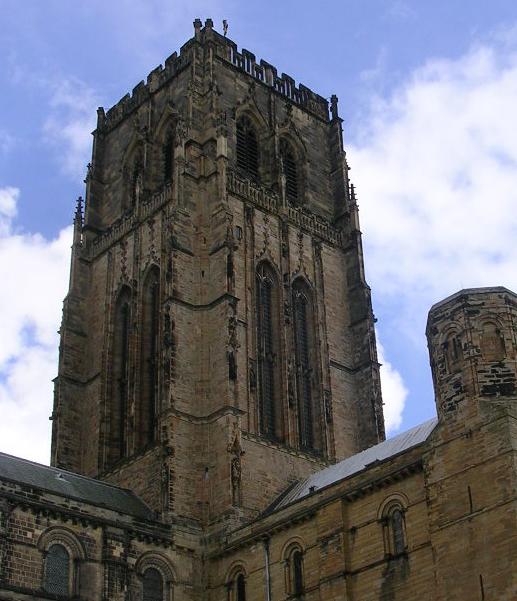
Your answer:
<point x="397" y="528"/>
<point x="241" y="588"/>
<point x="57" y="570"/>
<point x="297" y="573"/>
<point x="153" y="585"/>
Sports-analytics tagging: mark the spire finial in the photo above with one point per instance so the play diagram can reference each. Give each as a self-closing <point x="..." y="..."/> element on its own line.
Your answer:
<point x="225" y="27"/>
<point x="197" y="27"/>
<point x="78" y="217"/>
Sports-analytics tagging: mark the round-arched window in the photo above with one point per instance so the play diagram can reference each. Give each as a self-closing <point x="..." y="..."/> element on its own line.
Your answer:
<point x="153" y="585"/>
<point x="57" y="570"/>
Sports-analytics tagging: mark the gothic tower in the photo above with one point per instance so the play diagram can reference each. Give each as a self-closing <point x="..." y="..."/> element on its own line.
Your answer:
<point x="217" y="340"/>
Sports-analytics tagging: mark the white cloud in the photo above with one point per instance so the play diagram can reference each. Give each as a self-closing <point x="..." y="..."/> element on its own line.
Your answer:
<point x="436" y="166"/>
<point x="34" y="271"/>
<point x="70" y="122"/>
<point x="394" y="392"/>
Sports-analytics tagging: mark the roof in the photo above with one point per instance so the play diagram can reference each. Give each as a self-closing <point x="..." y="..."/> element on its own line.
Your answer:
<point x="357" y="463"/>
<point x="73" y="486"/>
<point x="471" y="292"/>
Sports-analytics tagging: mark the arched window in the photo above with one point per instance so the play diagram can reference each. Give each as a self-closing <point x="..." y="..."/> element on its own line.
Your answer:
<point x="247" y="147"/>
<point x="297" y="572"/>
<point x="452" y="349"/>
<point x="492" y="343"/>
<point x="394" y="528"/>
<point x="152" y="585"/>
<point x="137" y="183"/>
<point x="168" y="155"/>
<point x="290" y="171"/>
<point x="268" y="352"/>
<point x="119" y="377"/>
<point x="236" y="585"/>
<point x="57" y="570"/>
<point x="149" y="358"/>
<point x="306" y="366"/>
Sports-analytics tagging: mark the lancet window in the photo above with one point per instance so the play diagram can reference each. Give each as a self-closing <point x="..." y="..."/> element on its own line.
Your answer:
<point x="247" y="147"/>
<point x="305" y="352"/>
<point x="290" y="170"/>
<point x="119" y="377"/>
<point x="149" y="358"/>
<point x="168" y="155"/>
<point x="268" y="352"/>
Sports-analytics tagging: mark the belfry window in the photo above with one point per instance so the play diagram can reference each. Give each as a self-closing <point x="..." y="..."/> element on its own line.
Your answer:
<point x="247" y="147"/>
<point x="152" y="585"/>
<point x="119" y="379"/>
<point x="149" y="358"/>
<point x="168" y="156"/>
<point x="304" y="338"/>
<point x="57" y="570"/>
<point x="267" y="352"/>
<point x="290" y="171"/>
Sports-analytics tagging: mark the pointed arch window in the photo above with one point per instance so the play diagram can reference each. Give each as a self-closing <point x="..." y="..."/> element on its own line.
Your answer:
<point x="148" y="398"/>
<point x="57" y="570"/>
<point x="119" y="377"/>
<point x="305" y="352"/>
<point x="270" y="412"/>
<point x="168" y="155"/>
<point x="290" y="171"/>
<point x="152" y="585"/>
<point x="247" y="147"/>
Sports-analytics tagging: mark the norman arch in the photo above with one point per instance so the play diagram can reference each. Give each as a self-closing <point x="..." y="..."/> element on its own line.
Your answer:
<point x="62" y="553"/>
<point x="155" y="577"/>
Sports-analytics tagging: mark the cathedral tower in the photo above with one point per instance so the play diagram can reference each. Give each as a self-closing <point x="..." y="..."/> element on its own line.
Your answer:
<point x="217" y="340"/>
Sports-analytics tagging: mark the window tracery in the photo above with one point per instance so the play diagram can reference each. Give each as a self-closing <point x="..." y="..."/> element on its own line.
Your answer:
<point x="149" y="358"/>
<point x="268" y="352"/>
<point x="119" y="377"/>
<point x="304" y="338"/>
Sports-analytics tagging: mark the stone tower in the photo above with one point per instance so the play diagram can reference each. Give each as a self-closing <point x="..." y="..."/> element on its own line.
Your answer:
<point x="470" y="467"/>
<point x="217" y="340"/>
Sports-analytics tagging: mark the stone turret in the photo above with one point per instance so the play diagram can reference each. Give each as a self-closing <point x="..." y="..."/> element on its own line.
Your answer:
<point x="472" y="340"/>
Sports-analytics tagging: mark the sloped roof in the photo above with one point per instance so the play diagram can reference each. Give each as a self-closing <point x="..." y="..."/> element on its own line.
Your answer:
<point x="356" y="463"/>
<point x="72" y="486"/>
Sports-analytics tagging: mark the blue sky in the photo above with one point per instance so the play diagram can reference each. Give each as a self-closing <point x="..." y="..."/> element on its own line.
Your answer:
<point x="427" y="92"/>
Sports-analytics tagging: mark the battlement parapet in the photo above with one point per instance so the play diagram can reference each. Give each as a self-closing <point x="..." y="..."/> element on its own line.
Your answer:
<point x="126" y="223"/>
<point x="160" y="75"/>
<point x="270" y="202"/>
<point x="284" y="85"/>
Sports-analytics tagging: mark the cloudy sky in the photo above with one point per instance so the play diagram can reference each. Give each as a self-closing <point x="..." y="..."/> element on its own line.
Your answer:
<point x="428" y="92"/>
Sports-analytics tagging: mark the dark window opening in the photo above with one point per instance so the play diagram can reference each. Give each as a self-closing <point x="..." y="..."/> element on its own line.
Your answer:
<point x="153" y="585"/>
<point x="241" y="588"/>
<point x="120" y="373"/>
<point x="247" y="147"/>
<point x="297" y="574"/>
<point x="290" y="171"/>
<point x="397" y="531"/>
<point x="150" y="359"/>
<point x="57" y="571"/>
<point x="168" y="156"/>
<point x="267" y="353"/>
